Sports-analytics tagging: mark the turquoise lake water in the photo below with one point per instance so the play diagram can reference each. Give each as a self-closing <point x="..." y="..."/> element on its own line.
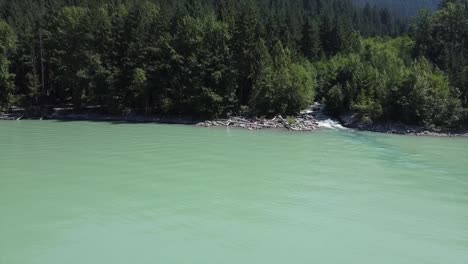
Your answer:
<point x="89" y="192"/>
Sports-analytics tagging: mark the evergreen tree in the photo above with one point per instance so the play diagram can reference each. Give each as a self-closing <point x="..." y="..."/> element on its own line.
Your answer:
<point x="442" y="38"/>
<point x="246" y="35"/>
<point x="310" y="44"/>
<point x="6" y="78"/>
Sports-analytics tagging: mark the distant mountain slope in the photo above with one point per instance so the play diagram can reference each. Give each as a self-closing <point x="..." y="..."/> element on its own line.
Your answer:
<point x="403" y="7"/>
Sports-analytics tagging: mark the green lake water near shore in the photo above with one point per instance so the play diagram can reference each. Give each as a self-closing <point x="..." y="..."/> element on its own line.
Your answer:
<point x="98" y="192"/>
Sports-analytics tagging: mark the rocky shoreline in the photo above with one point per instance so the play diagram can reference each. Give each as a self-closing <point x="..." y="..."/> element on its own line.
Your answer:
<point x="399" y="128"/>
<point x="291" y="124"/>
<point x="307" y="121"/>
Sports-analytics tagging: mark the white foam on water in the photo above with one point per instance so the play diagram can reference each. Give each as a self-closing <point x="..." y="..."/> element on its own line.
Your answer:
<point x="330" y="124"/>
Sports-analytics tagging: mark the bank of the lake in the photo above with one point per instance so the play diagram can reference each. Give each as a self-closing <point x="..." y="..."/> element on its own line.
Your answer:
<point x="306" y="121"/>
<point x="111" y="192"/>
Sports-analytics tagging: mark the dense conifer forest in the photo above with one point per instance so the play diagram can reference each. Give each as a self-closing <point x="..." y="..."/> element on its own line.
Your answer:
<point x="211" y="58"/>
<point x="404" y="8"/>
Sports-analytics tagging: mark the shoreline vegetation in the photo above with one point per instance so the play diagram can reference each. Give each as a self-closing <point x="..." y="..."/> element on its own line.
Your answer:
<point x="233" y="62"/>
<point x="307" y="121"/>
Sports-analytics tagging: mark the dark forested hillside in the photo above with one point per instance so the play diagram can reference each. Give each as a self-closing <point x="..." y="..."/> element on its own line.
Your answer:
<point x="405" y="8"/>
<point x="252" y="57"/>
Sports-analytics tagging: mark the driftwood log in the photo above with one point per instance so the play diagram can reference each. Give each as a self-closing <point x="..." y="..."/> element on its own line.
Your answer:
<point x="298" y="124"/>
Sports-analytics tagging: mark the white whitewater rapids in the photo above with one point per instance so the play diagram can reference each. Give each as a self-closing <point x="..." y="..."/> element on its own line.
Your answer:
<point x="330" y="124"/>
<point x="323" y="120"/>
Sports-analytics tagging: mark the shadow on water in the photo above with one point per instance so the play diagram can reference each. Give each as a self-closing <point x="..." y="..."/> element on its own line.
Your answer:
<point x="124" y="122"/>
